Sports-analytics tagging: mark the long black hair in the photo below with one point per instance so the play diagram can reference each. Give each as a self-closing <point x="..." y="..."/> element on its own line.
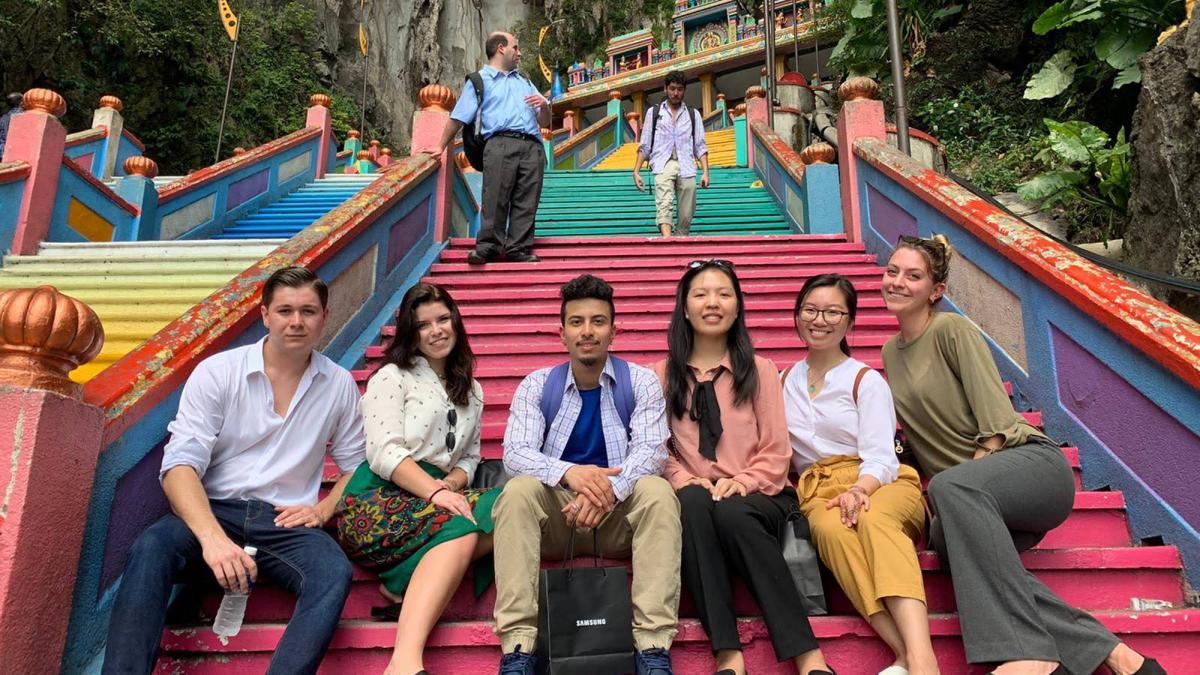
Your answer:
<point x="405" y="345"/>
<point x="842" y="284"/>
<point x="680" y="339"/>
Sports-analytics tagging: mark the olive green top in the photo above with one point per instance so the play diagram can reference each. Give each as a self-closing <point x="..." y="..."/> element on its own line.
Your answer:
<point x="948" y="394"/>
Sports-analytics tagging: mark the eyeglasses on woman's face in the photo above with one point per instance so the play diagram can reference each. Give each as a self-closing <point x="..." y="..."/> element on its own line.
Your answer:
<point x="831" y="316"/>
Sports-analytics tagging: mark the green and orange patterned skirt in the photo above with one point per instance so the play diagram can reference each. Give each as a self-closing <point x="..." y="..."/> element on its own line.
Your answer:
<point x="389" y="530"/>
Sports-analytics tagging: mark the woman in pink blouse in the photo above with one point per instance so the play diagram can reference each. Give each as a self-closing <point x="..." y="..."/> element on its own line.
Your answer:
<point x="729" y="465"/>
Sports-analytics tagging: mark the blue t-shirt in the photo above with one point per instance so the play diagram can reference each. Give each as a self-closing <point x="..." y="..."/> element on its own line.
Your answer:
<point x="586" y="444"/>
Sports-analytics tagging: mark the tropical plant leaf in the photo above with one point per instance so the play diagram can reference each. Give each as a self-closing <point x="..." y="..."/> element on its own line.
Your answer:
<point x="1120" y="48"/>
<point x="1052" y="18"/>
<point x="863" y="9"/>
<point x="1053" y="79"/>
<point x="947" y="11"/>
<point x="1129" y="75"/>
<point x="1043" y="186"/>
<point x="1076" y="142"/>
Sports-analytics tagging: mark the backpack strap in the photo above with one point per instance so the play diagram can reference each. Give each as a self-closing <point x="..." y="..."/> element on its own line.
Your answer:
<point x="694" y="113"/>
<point x="784" y="375"/>
<point x="858" y="380"/>
<point x="477" y="81"/>
<point x="623" y="394"/>
<point x="651" y="119"/>
<point x="552" y="393"/>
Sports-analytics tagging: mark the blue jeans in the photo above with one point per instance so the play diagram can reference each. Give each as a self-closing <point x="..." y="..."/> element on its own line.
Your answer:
<point x="305" y="561"/>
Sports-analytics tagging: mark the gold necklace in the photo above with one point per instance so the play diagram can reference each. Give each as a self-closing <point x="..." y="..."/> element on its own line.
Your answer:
<point x="812" y="385"/>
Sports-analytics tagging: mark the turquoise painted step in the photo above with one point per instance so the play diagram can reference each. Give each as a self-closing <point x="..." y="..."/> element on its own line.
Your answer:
<point x="606" y="203"/>
<point x="293" y="212"/>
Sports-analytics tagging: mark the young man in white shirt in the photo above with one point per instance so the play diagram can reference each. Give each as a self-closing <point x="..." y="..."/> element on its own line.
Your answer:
<point x="243" y="468"/>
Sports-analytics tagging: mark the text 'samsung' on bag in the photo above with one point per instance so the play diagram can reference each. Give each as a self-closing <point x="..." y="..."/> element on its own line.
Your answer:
<point x="585" y="619"/>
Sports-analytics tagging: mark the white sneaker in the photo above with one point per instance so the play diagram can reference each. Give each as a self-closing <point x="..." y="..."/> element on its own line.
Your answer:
<point x="894" y="670"/>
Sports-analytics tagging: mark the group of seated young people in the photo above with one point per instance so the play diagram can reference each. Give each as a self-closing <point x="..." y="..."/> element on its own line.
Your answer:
<point x="690" y="467"/>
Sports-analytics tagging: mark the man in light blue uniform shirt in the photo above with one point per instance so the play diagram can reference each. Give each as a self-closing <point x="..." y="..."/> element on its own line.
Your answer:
<point x="513" y="159"/>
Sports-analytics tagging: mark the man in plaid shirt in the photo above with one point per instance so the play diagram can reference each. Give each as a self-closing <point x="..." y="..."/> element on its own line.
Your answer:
<point x="586" y="468"/>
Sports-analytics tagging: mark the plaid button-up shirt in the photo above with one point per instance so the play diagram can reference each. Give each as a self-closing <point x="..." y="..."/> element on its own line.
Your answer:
<point x="642" y="453"/>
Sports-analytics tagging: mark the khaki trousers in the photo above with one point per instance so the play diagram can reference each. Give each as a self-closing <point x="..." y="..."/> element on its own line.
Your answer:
<point x="877" y="558"/>
<point x="530" y="527"/>
<point x="669" y="190"/>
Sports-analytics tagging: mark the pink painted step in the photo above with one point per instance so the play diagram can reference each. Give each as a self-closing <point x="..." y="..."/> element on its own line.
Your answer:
<point x="872" y="305"/>
<point x="533" y="277"/>
<point x="1089" y="578"/>
<point x="456" y="262"/>
<point x="711" y="245"/>
<point x="471" y="647"/>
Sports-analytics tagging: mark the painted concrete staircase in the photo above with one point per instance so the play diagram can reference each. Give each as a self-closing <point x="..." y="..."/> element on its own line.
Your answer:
<point x="721" y="152"/>
<point x="135" y="288"/>
<point x="1091" y="560"/>
<point x="285" y="217"/>
<point x="606" y="203"/>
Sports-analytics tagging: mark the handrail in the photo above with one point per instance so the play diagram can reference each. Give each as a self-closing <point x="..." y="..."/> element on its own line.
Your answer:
<point x="1152" y="327"/>
<point x="132" y="386"/>
<point x="100" y="187"/>
<point x="86" y="136"/>
<point x="583" y="136"/>
<point x="223" y="168"/>
<point x="783" y="153"/>
<point x="14" y="171"/>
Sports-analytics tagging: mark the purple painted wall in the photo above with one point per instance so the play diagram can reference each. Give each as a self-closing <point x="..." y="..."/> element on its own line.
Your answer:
<point x="1151" y="442"/>
<point x="405" y="233"/>
<point x="138" y="502"/>
<point x="888" y="219"/>
<point x="246" y="188"/>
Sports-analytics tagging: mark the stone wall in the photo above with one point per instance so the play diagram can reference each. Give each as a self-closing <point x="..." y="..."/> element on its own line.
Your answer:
<point x="1164" y="229"/>
<point x="412" y="43"/>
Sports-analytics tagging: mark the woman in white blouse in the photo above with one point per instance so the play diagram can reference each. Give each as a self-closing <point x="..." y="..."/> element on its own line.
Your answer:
<point x="407" y="512"/>
<point x="864" y="508"/>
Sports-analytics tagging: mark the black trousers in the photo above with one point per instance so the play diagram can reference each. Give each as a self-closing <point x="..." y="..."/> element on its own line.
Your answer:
<point x="512" y="186"/>
<point x="741" y="535"/>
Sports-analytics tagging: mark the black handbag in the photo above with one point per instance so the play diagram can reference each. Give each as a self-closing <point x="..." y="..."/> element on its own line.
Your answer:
<point x="489" y="473"/>
<point x="803" y="563"/>
<point x="584" y="618"/>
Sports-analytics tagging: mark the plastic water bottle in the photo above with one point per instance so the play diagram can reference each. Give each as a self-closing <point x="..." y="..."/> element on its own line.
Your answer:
<point x="233" y="608"/>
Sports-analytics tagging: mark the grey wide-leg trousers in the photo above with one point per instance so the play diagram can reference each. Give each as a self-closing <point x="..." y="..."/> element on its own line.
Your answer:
<point x="987" y="511"/>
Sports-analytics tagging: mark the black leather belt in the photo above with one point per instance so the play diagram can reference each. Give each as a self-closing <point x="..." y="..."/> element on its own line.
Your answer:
<point x="518" y="135"/>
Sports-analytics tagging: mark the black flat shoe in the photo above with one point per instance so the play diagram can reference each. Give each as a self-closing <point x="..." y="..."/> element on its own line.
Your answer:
<point x="388" y="613"/>
<point x="1151" y="667"/>
<point x="727" y="671"/>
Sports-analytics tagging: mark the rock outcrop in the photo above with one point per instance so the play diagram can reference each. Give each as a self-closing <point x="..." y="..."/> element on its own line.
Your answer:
<point x="411" y="44"/>
<point x="1163" y="234"/>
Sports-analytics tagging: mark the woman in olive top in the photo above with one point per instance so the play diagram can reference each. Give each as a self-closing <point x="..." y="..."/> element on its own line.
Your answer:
<point x="729" y="465"/>
<point x="863" y="506"/>
<point x="998" y="483"/>
<point x="407" y="512"/>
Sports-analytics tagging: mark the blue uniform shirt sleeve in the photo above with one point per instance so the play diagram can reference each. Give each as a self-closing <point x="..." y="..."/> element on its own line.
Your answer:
<point x="468" y="103"/>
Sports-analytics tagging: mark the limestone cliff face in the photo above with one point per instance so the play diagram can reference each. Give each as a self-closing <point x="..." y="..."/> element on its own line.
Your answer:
<point x="1163" y="234"/>
<point x="411" y="43"/>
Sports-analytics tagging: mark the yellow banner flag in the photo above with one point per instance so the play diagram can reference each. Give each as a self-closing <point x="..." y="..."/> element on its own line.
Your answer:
<point x="228" y="19"/>
<point x="362" y="39"/>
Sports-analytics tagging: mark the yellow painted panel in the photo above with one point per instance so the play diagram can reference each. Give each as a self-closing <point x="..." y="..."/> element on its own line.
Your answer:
<point x="88" y="223"/>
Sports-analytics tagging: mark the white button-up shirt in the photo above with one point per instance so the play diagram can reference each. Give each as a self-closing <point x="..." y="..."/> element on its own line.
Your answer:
<point x="405" y="414"/>
<point x="831" y="424"/>
<point x="228" y="431"/>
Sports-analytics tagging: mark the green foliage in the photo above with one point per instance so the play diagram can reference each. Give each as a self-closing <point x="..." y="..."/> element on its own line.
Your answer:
<point x="1083" y="168"/>
<point x="987" y="131"/>
<point x="580" y="30"/>
<point x="862" y="50"/>
<point x="1102" y="40"/>
<point x="168" y="61"/>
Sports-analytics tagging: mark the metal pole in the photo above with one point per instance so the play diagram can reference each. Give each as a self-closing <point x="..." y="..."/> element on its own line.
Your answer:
<point x="795" y="36"/>
<point x="812" y="16"/>
<point x="769" y="34"/>
<point x="362" y="122"/>
<point x="893" y="24"/>
<point x="225" y="106"/>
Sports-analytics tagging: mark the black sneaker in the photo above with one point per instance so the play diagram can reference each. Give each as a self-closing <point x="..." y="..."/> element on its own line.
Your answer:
<point x="654" y="662"/>
<point x="474" y="258"/>
<point x="518" y="663"/>
<point x="523" y="256"/>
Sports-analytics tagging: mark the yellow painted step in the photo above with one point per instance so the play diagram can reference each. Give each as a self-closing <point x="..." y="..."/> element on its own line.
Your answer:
<point x="721" y="152"/>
